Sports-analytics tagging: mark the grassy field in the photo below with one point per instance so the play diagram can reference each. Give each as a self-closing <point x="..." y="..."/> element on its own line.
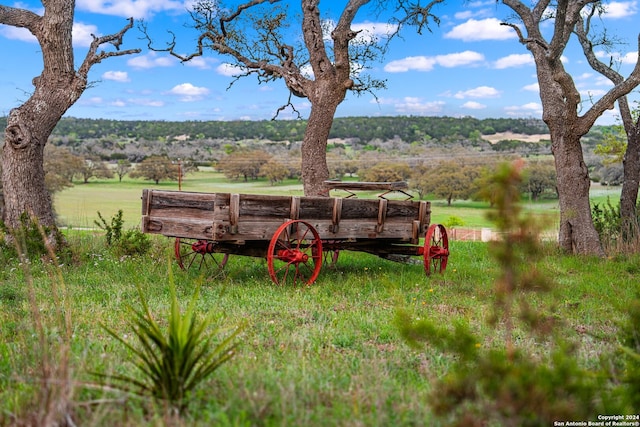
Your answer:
<point x="330" y="354"/>
<point x="77" y="207"/>
<point x="325" y="355"/>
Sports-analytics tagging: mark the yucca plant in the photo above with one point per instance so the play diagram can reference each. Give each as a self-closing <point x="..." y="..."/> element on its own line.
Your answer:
<point x="172" y="361"/>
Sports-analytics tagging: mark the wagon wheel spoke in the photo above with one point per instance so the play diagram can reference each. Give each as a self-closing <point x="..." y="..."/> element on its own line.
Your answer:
<point x="436" y="249"/>
<point x="295" y="254"/>
<point x="198" y="254"/>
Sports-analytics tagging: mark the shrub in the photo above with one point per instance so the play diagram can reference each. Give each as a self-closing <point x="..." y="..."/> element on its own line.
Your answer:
<point x="608" y="224"/>
<point x="133" y="242"/>
<point x="113" y="229"/>
<point x="124" y="243"/>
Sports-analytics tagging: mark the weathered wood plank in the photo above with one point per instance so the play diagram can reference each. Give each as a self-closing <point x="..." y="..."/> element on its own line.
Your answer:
<point x="177" y="227"/>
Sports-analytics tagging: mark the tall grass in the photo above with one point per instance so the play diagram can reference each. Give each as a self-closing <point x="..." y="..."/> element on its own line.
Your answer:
<point x="324" y="355"/>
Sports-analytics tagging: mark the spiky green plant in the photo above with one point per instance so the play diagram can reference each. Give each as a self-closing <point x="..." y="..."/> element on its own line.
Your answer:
<point x="172" y="361"/>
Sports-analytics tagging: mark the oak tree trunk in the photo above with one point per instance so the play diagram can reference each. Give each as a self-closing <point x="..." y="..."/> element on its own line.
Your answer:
<point x="22" y="168"/>
<point x="313" y="151"/>
<point x="630" y="180"/>
<point x="56" y="89"/>
<point x="577" y="233"/>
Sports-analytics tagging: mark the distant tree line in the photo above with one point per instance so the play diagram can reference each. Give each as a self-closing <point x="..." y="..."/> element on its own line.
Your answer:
<point x="364" y="129"/>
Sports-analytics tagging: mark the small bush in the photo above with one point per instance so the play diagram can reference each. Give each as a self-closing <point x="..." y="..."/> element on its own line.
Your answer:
<point x="171" y="361"/>
<point x="131" y="242"/>
<point x="454" y="221"/>
<point x="610" y="228"/>
<point x="606" y="219"/>
<point x="113" y="229"/>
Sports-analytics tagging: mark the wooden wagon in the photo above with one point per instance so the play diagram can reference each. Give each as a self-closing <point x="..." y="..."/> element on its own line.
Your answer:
<point x="295" y="234"/>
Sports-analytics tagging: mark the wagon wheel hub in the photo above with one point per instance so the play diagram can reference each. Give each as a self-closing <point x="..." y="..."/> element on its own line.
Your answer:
<point x="438" y="252"/>
<point x="198" y="254"/>
<point x="203" y="247"/>
<point x="436" y="249"/>
<point x="292" y="256"/>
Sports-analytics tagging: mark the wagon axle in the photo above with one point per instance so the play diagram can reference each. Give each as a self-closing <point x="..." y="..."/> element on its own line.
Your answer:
<point x="200" y="253"/>
<point x="203" y="247"/>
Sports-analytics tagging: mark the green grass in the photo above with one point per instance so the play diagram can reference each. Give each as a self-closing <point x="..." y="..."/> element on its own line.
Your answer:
<point x="325" y="355"/>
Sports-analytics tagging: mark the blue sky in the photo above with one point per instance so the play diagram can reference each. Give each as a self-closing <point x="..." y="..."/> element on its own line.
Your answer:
<point x="468" y="66"/>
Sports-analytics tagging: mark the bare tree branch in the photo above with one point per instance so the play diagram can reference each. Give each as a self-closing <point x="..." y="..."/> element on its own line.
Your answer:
<point x="93" y="58"/>
<point x="21" y="18"/>
<point x="415" y="15"/>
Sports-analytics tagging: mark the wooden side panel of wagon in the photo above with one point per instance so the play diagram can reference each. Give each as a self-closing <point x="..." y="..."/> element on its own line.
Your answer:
<point x="245" y="217"/>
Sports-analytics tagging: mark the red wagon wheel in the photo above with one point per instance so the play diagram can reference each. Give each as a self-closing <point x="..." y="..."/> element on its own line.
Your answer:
<point x="436" y="249"/>
<point x="192" y="253"/>
<point x="295" y="253"/>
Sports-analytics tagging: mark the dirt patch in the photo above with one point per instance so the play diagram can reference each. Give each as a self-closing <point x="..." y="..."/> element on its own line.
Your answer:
<point x="516" y="137"/>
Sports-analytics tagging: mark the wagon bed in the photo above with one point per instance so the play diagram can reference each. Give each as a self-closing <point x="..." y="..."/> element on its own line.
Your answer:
<point x="294" y="230"/>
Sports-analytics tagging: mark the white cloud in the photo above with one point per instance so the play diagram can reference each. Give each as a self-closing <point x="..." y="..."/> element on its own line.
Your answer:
<point x="137" y="9"/>
<point x="479" y="92"/>
<point x="628" y="58"/>
<point x="620" y="9"/>
<point x="146" y="102"/>
<point x="90" y="101"/>
<point x="200" y="62"/>
<point x="373" y="31"/>
<point x="514" y="60"/>
<point x="462" y="58"/>
<point x="589" y="94"/>
<point x="426" y="63"/>
<point x="531" y="109"/>
<point x="483" y="10"/>
<point x="82" y="34"/>
<point x="533" y="87"/>
<point x="151" y="60"/>
<point x="417" y="63"/>
<point x="229" y="70"/>
<point x="472" y="105"/>
<point x="466" y="14"/>
<point x="591" y="79"/>
<point x="368" y="31"/>
<point x="116" y="76"/>
<point x="189" y="92"/>
<point x="484" y="29"/>
<point x="412" y="105"/>
<point x="14" y="33"/>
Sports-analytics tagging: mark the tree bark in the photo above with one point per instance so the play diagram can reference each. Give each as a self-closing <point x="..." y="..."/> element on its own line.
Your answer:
<point x="577" y="233"/>
<point x="560" y="102"/>
<point x="30" y="125"/>
<point x="314" y="148"/>
<point x="631" y="174"/>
